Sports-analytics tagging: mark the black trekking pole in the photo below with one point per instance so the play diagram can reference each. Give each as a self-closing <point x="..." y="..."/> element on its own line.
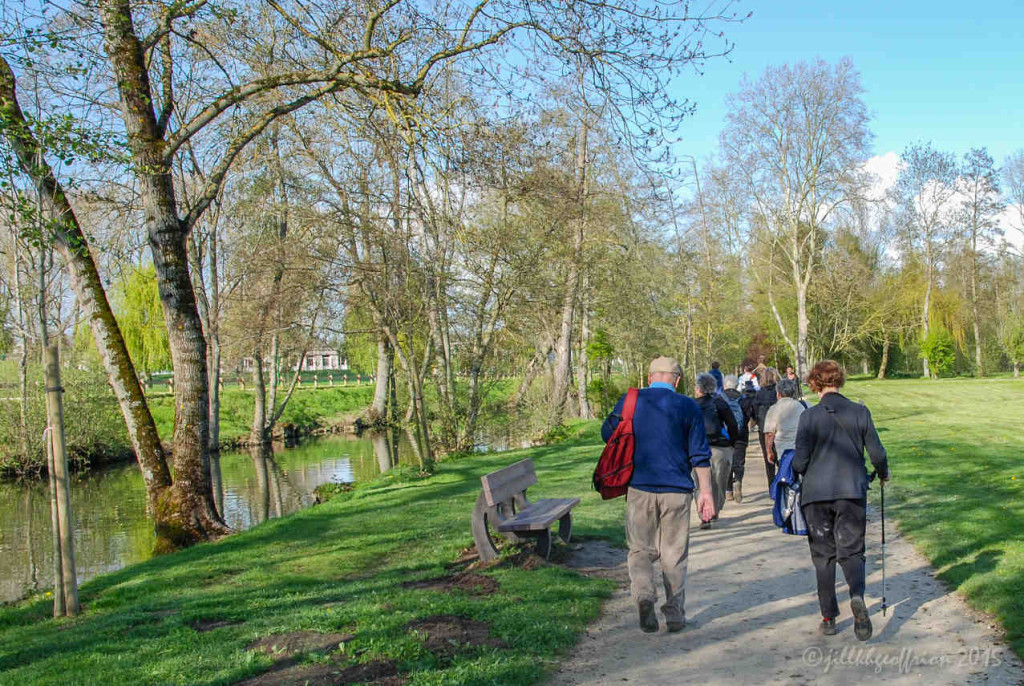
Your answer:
<point x="881" y="485"/>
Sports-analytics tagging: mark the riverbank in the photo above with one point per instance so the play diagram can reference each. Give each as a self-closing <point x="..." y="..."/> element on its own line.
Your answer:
<point x="97" y="437"/>
<point x="340" y="579"/>
<point x="113" y="530"/>
<point x="308" y="410"/>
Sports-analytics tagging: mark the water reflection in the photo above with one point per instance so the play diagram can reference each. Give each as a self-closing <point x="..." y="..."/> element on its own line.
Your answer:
<point x="111" y="528"/>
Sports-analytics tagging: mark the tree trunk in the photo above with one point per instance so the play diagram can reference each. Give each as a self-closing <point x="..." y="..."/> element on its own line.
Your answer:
<point x="379" y="406"/>
<point x="582" y="364"/>
<point x="563" y="346"/>
<point x="213" y="329"/>
<point x="193" y="514"/>
<point x="189" y="514"/>
<point x="974" y="301"/>
<point x="257" y="432"/>
<point x="420" y="414"/>
<point x="445" y="378"/>
<point x="883" y="367"/>
<point x="803" y="322"/>
<point x="23" y="355"/>
<point x="208" y="304"/>
<point x="217" y="480"/>
<point x="977" y="345"/>
<point x="213" y="369"/>
<point x="533" y="369"/>
<point x="69" y="241"/>
<point x="1016" y="369"/>
<point x="274" y="378"/>
<point x="926" y="312"/>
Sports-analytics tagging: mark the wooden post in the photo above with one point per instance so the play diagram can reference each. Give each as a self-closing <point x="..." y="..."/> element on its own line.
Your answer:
<point x="55" y="417"/>
<point x="58" y="574"/>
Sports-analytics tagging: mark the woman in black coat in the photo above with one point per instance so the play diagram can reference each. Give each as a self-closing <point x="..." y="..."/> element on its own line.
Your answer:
<point x="763" y="400"/>
<point x="829" y="459"/>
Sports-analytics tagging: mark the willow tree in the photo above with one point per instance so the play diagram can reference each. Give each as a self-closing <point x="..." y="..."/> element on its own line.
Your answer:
<point x="139" y="314"/>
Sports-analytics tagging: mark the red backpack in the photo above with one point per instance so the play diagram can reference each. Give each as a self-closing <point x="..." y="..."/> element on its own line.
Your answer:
<point x="615" y="467"/>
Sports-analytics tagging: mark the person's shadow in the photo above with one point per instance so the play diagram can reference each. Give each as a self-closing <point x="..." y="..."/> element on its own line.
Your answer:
<point x="904" y="600"/>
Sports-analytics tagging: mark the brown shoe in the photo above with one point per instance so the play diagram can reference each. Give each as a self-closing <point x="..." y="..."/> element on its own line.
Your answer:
<point x="737" y="490"/>
<point x="728" y="495"/>
<point x="648" y="620"/>
<point x="674" y="619"/>
<point x="861" y="620"/>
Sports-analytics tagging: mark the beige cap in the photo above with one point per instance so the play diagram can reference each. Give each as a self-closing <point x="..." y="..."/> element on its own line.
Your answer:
<point x="665" y="365"/>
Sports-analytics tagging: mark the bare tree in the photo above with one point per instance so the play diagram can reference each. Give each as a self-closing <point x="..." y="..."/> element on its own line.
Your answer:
<point x="798" y="137"/>
<point x="979" y="222"/>
<point x="1013" y="187"/>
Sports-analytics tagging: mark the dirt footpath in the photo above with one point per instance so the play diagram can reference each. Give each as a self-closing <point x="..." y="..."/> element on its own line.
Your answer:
<point x="752" y="617"/>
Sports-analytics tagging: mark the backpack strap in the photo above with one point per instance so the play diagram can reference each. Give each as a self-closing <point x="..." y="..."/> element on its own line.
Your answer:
<point x="832" y="413"/>
<point x="629" y="407"/>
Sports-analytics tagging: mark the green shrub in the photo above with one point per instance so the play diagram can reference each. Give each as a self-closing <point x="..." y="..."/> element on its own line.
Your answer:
<point x="94" y="428"/>
<point x="940" y="350"/>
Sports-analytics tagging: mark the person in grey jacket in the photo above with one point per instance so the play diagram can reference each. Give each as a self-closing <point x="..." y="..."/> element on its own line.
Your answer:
<point x="829" y="457"/>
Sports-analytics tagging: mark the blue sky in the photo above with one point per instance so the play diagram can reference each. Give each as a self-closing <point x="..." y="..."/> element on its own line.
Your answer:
<point x="952" y="73"/>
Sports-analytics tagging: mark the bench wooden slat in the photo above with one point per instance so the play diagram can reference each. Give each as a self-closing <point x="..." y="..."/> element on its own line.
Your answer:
<point x="539" y="515"/>
<point x="501" y="485"/>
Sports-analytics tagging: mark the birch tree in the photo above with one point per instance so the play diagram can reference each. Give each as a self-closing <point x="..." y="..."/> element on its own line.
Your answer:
<point x="924" y="196"/>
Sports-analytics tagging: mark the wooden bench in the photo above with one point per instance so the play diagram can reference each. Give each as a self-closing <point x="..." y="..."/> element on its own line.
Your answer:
<point x="503" y="505"/>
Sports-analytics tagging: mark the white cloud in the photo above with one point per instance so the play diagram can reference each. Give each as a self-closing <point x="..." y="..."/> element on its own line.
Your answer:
<point x="885" y="169"/>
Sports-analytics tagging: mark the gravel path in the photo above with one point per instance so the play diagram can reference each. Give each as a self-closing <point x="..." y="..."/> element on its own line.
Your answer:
<point x="752" y="617"/>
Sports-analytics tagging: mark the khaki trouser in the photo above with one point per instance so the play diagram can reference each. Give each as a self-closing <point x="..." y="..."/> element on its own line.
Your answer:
<point x="658" y="527"/>
<point x="721" y="468"/>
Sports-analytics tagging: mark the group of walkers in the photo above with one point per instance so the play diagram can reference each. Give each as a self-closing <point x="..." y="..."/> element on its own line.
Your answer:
<point x="685" y="446"/>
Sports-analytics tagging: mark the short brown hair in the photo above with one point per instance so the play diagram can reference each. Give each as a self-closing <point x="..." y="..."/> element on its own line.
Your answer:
<point x="825" y="374"/>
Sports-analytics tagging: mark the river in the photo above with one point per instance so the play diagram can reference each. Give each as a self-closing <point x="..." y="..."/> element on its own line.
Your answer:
<point x="109" y="506"/>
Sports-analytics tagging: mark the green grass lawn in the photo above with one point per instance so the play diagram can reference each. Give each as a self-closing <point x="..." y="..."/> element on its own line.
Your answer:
<point x="957" y="456"/>
<point x="335" y="567"/>
<point x="339" y="566"/>
<point x="307" y="408"/>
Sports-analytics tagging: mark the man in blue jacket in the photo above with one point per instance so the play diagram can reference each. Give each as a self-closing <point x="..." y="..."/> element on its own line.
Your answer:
<point x="670" y="444"/>
<point x="716" y="372"/>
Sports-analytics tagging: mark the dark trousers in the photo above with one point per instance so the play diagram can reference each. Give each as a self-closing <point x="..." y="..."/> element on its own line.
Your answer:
<point x="739" y="461"/>
<point x="769" y="467"/>
<point x="835" y="533"/>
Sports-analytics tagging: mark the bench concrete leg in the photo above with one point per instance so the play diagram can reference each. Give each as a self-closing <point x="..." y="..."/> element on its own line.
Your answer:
<point x="565" y="527"/>
<point x="483" y="515"/>
<point x="544" y="543"/>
